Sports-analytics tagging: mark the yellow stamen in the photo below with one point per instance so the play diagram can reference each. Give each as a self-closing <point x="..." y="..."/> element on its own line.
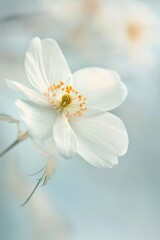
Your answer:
<point x="66" y="100"/>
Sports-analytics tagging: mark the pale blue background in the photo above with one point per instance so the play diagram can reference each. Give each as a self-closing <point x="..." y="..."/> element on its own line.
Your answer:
<point x="91" y="204"/>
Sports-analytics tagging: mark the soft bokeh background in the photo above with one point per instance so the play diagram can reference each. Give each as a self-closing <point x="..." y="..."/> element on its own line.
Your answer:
<point x="82" y="202"/>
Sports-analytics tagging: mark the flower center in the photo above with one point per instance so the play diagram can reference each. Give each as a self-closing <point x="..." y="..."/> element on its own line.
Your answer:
<point x="134" y="31"/>
<point x="66" y="99"/>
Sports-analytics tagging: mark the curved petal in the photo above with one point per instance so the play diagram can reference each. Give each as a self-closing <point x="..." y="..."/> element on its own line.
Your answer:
<point x="51" y="148"/>
<point x="38" y="119"/>
<point x="65" y="137"/>
<point x="101" y="139"/>
<point x="45" y="64"/>
<point x="102" y="88"/>
<point x="32" y="95"/>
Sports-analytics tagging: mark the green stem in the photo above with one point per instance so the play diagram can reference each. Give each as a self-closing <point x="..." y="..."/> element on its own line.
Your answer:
<point x="9" y="147"/>
<point x="21" y="137"/>
<point x="33" y="191"/>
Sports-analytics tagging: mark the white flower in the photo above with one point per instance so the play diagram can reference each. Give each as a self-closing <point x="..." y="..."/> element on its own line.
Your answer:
<point x="71" y="108"/>
<point x="133" y="33"/>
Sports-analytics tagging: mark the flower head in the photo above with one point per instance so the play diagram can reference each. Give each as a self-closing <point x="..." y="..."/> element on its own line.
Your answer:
<point x="66" y="99"/>
<point x="71" y="108"/>
<point x="134" y="33"/>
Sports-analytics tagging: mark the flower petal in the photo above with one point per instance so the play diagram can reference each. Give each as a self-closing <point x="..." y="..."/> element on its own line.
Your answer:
<point x="102" y="88"/>
<point x="45" y="64"/>
<point x="101" y="139"/>
<point x="38" y="119"/>
<point x="65" y="137"/>
<point x="50" y="147"/>
<point x="32" y="95"/>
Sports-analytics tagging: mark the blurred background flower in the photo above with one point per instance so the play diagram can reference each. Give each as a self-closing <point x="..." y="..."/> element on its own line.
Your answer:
<point x="80" y="201"/>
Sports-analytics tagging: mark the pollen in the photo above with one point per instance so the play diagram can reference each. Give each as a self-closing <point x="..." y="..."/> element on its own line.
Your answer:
<point x="66" y="100"/>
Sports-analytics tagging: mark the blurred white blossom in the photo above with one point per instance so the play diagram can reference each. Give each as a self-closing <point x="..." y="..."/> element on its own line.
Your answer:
<point x="127" y="29"/>
<point x="132" y="29"/>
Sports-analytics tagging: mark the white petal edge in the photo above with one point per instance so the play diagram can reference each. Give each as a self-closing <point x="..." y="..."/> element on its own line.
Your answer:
<point x="45" y="64"/>
<point x="64" y="136"/>
<point x="32" y="95"/>
<point x="38" y="119"/>
<point x="101" y="139"/>
<point x="50" y="147"/>
<point x="103" y="88"/>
